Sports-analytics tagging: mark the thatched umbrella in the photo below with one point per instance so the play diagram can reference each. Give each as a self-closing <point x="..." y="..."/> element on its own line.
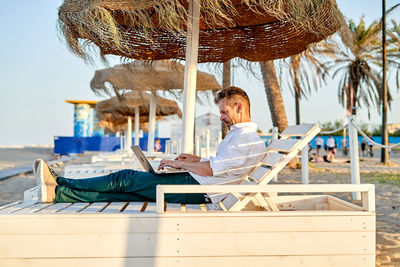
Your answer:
<point x="148" y="76"/>
<point x="256" y="30"/>
<point x="132" y="104"/>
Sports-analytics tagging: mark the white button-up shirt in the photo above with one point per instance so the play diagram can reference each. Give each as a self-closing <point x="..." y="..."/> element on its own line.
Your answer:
<point x="240" y="151"/>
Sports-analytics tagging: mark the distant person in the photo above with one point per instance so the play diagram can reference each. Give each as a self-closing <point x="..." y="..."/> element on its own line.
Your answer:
<point x="319" y="142"/>
<point x="330" y="149"/>
<point x="363" y="147"/>
<point x="157" y="145"/>
<point x="370" y="146"/>
<point x="345" y="146"/>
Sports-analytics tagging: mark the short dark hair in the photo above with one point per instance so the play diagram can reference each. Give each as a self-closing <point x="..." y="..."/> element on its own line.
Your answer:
<point x="232" y="92"/>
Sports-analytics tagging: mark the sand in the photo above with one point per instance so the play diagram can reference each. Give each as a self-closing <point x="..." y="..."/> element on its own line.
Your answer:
<point x="387" y="195"/>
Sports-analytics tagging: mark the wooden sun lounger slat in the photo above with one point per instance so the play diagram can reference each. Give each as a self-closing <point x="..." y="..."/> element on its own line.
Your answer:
<point x="34" y="208"/>
<point x="283" y="145"/>
<point x="259" y="172"/>
<point x="75" y="207"/>
<point x="193" y="208"/>
<point x="134" y="207"/>
<point x="94" y="208"/>
<point x="173" y="207"/>
<point x="272" y="159"/>
<point x="17" y="207"/>
<point x="54" y="208"/>
<point x="150" y="208"/>
<point x="114" y="207"/>
<point x="298" y="130"/>
<point x="10" y="204"/>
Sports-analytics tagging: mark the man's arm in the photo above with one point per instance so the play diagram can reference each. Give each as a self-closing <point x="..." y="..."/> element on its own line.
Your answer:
<point x="200" y="168"/>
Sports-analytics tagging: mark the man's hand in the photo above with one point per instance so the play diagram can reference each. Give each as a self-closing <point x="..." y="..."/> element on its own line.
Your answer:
<point x="170" y="163"/>
<point x="188" y="157"/>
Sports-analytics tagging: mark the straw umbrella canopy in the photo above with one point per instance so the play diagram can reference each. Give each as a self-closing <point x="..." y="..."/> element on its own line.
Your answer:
<point x="116" y="112"/>
<point x="255" y="30"/>
<point x="148" y="76"/>
<point x="211" y="31"/>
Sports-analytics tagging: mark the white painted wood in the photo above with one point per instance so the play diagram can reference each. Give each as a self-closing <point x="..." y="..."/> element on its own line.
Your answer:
<point x="173" y="207"/>
<point x="319" y="260"/>
<point x="304" y="165"/>
<point x="10" y="204"/>
<point x="133" y="208"/>
<point x="188" y="244"/>
<point x="75" y="207"/>
<point x="114" y="207"/>
<point x="152" y="122"/>
<point x="137" y="120"/>
<point x="259" y="172"/>
<point x="298" y="130"/>
<point x="337" y="204"/>
<point x="193" y="208"/>
<point x="272" y="159"/>
<point x="54" y="208"/>
<point x="354" y="157"/>
<point x="151" y="208"/>
<point x="94" y="208"/>
<point x="18" y="206"/>
<point x="34" y="208"/>
<point x="284" y="145"/>
<point x="190" y="79"/>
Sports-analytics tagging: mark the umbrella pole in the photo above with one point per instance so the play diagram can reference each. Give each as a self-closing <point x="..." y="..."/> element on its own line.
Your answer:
<point x="136" y="126"/>
<point x="189" y="93"/>
<point x="152" y="123"/>
<point x="129" y="134"/>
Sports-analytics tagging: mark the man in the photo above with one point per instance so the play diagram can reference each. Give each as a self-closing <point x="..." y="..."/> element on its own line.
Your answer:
<point x="319" y="142"/>
<point x="236" y="155"/>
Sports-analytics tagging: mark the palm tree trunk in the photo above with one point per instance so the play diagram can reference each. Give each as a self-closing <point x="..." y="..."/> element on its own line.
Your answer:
<point x="226" y="82"/>
<point x="275" y="100"/>
<point x="274" y="95"/>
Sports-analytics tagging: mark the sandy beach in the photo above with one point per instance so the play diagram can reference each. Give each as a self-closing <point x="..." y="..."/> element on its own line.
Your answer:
<point x="387" y="190"/>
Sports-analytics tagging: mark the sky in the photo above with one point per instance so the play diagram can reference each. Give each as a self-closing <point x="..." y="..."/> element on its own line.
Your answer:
<point x="38" y="73"/>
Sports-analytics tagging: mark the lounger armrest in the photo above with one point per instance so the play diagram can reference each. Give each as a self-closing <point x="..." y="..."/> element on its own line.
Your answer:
<point x="367" y="190"/>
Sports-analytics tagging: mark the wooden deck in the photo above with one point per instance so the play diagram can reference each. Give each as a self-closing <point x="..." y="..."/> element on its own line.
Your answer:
<point x="310" y="230"/>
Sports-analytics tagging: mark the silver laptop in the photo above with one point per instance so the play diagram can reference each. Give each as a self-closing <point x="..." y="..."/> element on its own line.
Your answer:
<point x="147" y="166"/>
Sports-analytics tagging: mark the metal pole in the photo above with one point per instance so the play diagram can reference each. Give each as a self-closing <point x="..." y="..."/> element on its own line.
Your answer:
<point x="152" y="122"/>
<point x="189" y="93"/>
<point x="354" y="157"/>
<point x="384" y="151"/>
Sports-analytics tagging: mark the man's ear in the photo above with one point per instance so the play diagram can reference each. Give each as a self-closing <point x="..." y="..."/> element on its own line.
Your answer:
<point x="239" y="107"/>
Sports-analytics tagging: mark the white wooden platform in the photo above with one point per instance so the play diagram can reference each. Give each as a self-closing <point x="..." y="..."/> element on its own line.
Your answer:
<point x="310" y="230"/>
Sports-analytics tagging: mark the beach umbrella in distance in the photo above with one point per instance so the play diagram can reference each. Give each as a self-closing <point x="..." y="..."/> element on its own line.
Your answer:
<point x="139" y="76"/>
<point x="136" y="104"/>
<point x="211" y="31"/>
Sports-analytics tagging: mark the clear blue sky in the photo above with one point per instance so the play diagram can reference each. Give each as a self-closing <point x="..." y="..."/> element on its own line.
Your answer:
<point x="38" y="74"/>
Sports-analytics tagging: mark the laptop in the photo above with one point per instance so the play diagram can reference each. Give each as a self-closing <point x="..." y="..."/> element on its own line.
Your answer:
<point x="147" y="166"/>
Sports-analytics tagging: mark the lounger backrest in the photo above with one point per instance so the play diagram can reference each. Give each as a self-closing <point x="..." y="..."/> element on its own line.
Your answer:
<point x="280" y="152"/>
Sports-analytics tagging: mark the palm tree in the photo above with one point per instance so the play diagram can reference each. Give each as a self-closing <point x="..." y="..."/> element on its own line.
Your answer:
<point x="393" y="52"/>
<point x="307" y="71"/>
<point x="357" y="66"/>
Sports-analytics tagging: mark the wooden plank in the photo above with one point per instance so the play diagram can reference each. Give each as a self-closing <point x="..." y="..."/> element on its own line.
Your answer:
<point x="15" y="206"/>
<point x="94" y="208"/>
<point x="54" y="208"/>
<point x="34" y="208"/>
<point x="298" y="130"/>
<point x="272" y="159"/>
<point x="230" y="201"/>
<point x="339" y="204"/>
<point x="173" y="207"/>
<point x="193" y="222"/>
<point x="284" y="145"/>
<point x="193" y="208"/>
<point x="75" y="207"/>
<point x="259" y="172"/>
<point x="133" y="208"/>
<point x="367" y="260"/>
<point x="150" y="208"/>
<point x="188" y="244"/>
<point x="115" y="207"/>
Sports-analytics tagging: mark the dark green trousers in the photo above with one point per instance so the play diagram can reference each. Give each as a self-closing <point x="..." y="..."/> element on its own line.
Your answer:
<point x="125" y="185"/>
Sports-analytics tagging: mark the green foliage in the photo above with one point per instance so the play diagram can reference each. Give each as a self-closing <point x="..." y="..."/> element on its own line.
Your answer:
<point x="330" y="126"/>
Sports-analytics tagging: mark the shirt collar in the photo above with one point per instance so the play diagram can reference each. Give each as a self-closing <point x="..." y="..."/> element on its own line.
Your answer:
<point x="243" y="125"/>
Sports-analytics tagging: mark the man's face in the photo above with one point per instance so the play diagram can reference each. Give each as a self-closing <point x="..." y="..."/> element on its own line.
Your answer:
<point x="229" y="113"/>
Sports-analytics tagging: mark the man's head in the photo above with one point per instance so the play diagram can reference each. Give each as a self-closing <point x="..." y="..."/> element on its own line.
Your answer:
<point x="234" y="105"/>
